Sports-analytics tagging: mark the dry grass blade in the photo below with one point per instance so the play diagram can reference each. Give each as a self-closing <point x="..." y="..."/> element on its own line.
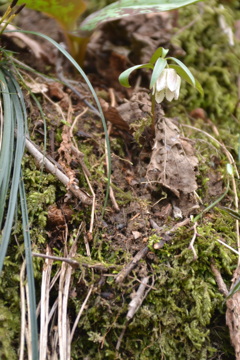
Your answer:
<point x="44" y="317"/>
<point x="80" y="312"/>
<point x="63" y="321"/>
<point x="63" y="326"/>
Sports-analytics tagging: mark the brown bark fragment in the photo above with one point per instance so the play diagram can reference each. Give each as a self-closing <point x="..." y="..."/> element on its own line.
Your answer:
<point x="233" y="317"/>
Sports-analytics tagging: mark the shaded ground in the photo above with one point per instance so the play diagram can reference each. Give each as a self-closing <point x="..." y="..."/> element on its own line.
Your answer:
<point x="161" y="176"/>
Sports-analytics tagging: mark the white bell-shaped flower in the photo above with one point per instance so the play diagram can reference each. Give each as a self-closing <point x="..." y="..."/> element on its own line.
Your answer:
<point x="167" y="85"/>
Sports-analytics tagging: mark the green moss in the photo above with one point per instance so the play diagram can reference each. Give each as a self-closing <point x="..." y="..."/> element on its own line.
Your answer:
<point x="212" y="60"/>
<point x="9" y="309"/>
<point x="8" y="326"/>
<point x="176" y="319"/>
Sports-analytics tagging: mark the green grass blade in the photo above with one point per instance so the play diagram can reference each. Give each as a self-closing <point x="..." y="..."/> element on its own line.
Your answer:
<point x="13" y="102"/>
<point x="30" y="274"/>
<point x="80" y="70"/>
<point x="6" y="155"/>
<point x="231" y="212"/>
<point x="212" y="204"/>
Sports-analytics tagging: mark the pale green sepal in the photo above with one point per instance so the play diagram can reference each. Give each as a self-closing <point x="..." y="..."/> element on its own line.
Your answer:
<point x="186" y="77"/>
<point x="160" y="52"/>
<point x="157" y="70"/>
<point x="123" y="78"/>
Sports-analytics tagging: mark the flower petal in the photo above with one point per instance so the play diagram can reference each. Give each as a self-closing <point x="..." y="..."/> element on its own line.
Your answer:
<point x="176" y="92"/>
<point x="159" y="96"/>
<point x="171" y="79"/>
<point x="169" y="94"/>
<point x="161" y="82"/>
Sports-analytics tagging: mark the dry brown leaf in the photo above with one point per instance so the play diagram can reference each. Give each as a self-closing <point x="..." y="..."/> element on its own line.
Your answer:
<point x="173" y="163"/>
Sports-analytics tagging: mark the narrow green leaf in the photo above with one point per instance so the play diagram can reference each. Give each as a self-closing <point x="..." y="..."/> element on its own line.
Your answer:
<point x="233" y="213"/>
<point x="123" y="78"/>
<point x="158" y="68"/>
<point x="101" y="115"/>
<point x="124" y="8"/>
<point x="212" y="205"/>
<point x="234" y="289"/>
<point x="13" y="100"/>
<point x="186" y="77"/>
<point x="160" y="52"/>
<point x="30" y="274"/>
<point x="7" y="148"/>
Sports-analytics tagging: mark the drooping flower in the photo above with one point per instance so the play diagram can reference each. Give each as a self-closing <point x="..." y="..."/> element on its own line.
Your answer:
<point x="167" y="85"/>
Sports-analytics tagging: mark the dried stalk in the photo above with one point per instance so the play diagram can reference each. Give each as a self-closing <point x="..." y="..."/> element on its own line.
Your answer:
<point x="44" y="317"/>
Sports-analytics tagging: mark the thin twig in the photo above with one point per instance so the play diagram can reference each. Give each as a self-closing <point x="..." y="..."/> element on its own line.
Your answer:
<point x="80" y="312"/>
<point x="135" y="304"/>
<point x="42" y="160"/>
<point x="191" y="245"/>
<point x="126" y="271"/>
<point x="137" y="299"/>
<point x="219" y="280"/>
<point x="71" y="262"/>
<point x="77" y="264"/>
